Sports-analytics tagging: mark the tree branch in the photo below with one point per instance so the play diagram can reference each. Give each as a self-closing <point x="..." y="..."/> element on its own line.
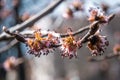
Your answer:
<point x="28" y="33"/>
<point x="93" y="27"/>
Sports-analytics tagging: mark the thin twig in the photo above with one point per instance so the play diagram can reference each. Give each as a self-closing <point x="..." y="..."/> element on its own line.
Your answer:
<point x="28" y="33"/>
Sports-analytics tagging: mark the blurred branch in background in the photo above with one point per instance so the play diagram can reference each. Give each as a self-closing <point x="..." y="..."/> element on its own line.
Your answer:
<point x="11" y="43"/>
<point x="33" y="19"/>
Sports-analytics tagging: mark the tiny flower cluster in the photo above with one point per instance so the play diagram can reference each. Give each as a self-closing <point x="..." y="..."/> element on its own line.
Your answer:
<point x="40" y="45"/>
<point x="69" y="46"/>
<point x="44" y="45"/>
<point x="97" y="15"/>
<point x="97" y="44"/>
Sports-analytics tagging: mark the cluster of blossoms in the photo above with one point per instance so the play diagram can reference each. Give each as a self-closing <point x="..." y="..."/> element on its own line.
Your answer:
<point x="97" y="15"/>
<point x="40" y="45"/>
<point x="97" y="44"/>
<point x="44" y="45"/>
<point x="69" y="47"/>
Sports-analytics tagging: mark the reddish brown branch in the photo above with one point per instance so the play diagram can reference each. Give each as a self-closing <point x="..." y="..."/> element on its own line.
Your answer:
<point x="92" y="30"/>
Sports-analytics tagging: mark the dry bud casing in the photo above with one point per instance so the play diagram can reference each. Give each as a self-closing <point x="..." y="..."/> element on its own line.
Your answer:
<point x="20" y="38"/>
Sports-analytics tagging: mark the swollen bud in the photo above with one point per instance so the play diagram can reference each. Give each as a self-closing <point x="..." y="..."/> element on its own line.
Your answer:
<point x="4" y="28"/>
<point x="17" y="32"/>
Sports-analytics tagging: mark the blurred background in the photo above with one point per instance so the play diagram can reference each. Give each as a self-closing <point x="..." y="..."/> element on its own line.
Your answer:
<point x="52" y="66"/>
